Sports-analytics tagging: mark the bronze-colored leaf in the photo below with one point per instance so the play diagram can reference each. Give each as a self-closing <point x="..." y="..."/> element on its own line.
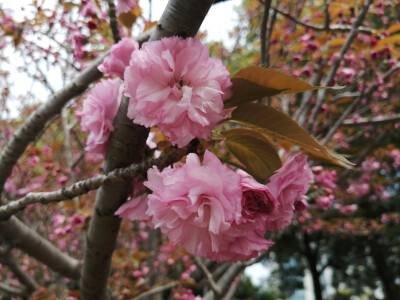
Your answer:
<point x="280" y="126"/>
<point x="255" y="82"/>
<point x="253" y="150"/>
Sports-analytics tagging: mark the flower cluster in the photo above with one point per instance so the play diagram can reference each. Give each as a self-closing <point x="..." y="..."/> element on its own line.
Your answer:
<point x="172" y="83"/>
<point x="217" y="213"/>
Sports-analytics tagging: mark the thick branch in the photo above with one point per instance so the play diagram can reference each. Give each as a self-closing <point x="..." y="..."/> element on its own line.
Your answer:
<point x="21" y="236"/>
<point x="181" y="18"/>
<point x="84" y="186"/>
<point x="127" y="143"/>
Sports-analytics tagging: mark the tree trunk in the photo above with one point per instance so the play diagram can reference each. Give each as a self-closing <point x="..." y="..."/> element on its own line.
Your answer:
<point x="378" y="252"/>
<point x="312" y="259"/>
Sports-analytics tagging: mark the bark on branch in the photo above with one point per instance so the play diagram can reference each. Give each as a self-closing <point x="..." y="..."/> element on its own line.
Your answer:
<point x="22" y="237"/>
<point x="126" y="146"/>
<point x="84" y="186"/>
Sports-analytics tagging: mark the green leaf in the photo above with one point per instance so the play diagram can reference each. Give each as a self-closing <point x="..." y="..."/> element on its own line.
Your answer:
<point x="253" y="150"/>
<point x="280" y="126"/>
<point x="256" y="82"/>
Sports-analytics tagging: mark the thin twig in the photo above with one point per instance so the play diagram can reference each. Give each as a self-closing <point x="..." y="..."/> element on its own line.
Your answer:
<point x="335" y="66"/>
<point x="84" y="186"/>
<point x="332" y="28"/>
<point x="216" y="289"/>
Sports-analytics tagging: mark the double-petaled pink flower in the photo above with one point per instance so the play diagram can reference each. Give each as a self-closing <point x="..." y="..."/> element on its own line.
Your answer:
<point x="174" y="84"/>
<point x="98" y="112"/>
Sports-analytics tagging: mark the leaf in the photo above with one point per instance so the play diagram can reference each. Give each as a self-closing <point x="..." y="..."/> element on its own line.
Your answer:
<point x="280" y="126"/>
<point x="394" y="28"/>
<point x="127" y="19"/>
<point x="253" y="150"/>
<point x="149" y="25"/>
<point x="390" y="40"/>
<point x="336" y="42"/>
<point x="255" y="82"/>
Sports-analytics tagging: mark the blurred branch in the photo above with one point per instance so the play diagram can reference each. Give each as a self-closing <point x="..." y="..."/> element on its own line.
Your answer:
<point x="372" y="121"/>
<point x="209" y="276"/>
<point x="9" y="260"/>
<point x="263" y="34"/>
<point x="157" y="290"/>
<point x="350" y="108"/>
<point x="332" y="28"/>
<point x="335" y="66"/>
<point x="13" y="291"/>
<point x="113" y="21"/>
<point x="18" y="235"/>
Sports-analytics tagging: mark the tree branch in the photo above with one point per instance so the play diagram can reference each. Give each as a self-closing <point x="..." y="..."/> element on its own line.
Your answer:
<point x="157" y="290"/>
<point x="9" y="260"/>
<point x="335" y="66"/>
<point x="84" y="186"/>
<point x="372" y="121"/>
<point x="21" y="236"/>
<point x="113" y="21"/>
<point x="126" y="146"/>
<point x="332" y="28"/>
<point x="209" y="276"/>
<point x="35" y="123"/>
<point x="264" y="24"/>
<point x="12" y="290"/>
<point x="350" y="108"/>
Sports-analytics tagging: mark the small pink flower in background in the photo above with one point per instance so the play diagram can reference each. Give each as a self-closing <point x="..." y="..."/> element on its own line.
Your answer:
<point x="195" y="204"/>
<point x="358" y="189"/>
<point x="288" y="185"/>
<point x="174" y="84"/>
<point x="325" y="201"/>
<point x="348" y="209"/>
<point x="325" y="178"/>
<point x="118" y="60"/>
<point x="58" y="220"/>
<point x="79" y="40"/>
<point x="77" y="220"/>
<point x="88" y="10"/>
<point x="98" y="112"/>
<point x="124" y="6"/>
<point x="136" y="206"/>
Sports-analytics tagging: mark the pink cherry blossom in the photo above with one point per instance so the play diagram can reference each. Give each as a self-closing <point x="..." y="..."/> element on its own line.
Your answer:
<point x="135" y="208"/>
<point x="98" y="112"/>
<point x="348" y="209"/>
<point x="195" y="204"/>
<point x="288" y="185"/>
<point x="124" y="6"/>
<point x="174" y="84"/>
<point x="118" y="60"/>
<point x="245" y="238"/>
<point x="325" y="201"/>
